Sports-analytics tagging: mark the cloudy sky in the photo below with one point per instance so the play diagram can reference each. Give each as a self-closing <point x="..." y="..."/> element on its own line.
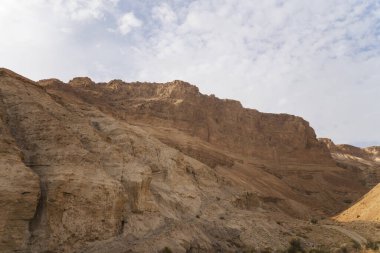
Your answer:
<point x="319" y="59"/>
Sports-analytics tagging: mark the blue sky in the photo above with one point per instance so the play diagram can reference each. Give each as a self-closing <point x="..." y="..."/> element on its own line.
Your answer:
<point x="319" y="59"/>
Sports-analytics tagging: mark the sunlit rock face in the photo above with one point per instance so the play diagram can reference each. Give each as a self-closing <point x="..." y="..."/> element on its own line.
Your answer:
<point x="137" y="167"/>
<point x="367" y="209"/>
<point x="365" y="162"/>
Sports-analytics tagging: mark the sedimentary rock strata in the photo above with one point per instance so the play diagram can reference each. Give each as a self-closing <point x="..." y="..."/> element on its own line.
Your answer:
<point x="137" y="167"/>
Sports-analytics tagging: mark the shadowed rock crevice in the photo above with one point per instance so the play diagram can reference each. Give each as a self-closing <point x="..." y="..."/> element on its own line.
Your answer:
<point x="38" y="217"/>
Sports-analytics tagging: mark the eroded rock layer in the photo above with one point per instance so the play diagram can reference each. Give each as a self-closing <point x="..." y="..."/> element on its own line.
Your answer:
<point x="137" y="167"/>
<point x="236" y="141"/>
<point x="19" y="193"/>
<point x="365" y="162"/>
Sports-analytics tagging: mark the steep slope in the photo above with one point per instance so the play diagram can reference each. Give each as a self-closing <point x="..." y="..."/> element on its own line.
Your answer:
<point x="19" y="192"/>
<point x="242" y="144"/>
<point x="365" y="162"/>
<point x="137" y="167"/>
<point x="70" y="183"/>
<point x="224" y="123"/>
<point x="366" y="209"/>
<point x="103" y="179"/>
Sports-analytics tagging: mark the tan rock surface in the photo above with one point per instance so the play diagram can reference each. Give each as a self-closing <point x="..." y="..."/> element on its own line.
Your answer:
<point x="236" y="141"/>
<point x="137" y="167"/>
<point x="71" y="186"/>
<point x="365" y="162"/>
<point x="366" y="209"/>
<point x="19" y="193"/>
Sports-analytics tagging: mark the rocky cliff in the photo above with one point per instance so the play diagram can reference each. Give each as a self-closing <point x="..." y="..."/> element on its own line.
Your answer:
<point x="365" y="162"/>
<point x="223" y="123"/>
<point x="137" y="167"/>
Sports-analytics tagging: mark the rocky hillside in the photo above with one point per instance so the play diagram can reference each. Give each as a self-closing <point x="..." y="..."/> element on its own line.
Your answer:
<point x="366" y="209"/>
<point x="365" y="162"/>
<point x="238" y="143"/>
<point x="137" y="167"/>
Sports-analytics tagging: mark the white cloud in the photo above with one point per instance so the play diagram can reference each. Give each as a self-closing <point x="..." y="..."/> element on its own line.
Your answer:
<point x="81" y="10"/>
<point x="318" y="56"/>
<point x="41" y="41"/>
<point x="127" y="22"/>
<point x="316" y="59"/>
<point x="164" y="13"/>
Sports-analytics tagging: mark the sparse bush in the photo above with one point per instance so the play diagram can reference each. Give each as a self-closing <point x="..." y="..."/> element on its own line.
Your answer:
<point x="356" y="245"/>
<point x="249" y="251"/>
<point x="318" y="251"/>
<point x="343" y="249"/>
<point x="166" y="250"/>
<point x="348" y="201"/>
<point x="314" y="221"/>
<point x="372" y="245"/>
<point x="295" y="246"/>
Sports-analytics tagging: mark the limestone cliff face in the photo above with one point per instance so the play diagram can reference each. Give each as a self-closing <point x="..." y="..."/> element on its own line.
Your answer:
<point x="223" y="134"/>
<point x="220" y="122"/>
<point x="135" y="167"/>
<point x="97" y="175"/>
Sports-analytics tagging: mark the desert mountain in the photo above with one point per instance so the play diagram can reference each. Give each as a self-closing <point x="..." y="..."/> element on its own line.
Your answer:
<point x="365" y="162"/>
<point x="137" y="167"/>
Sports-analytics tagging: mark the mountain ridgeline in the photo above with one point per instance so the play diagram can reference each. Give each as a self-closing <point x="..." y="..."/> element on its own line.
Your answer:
<point x="148" y="167"/>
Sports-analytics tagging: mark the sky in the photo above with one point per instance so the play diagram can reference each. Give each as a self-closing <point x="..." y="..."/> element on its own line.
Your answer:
<point x="318" y="59"/>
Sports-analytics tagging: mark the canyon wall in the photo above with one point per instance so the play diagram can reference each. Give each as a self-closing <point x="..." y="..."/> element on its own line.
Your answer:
<point x="136" y="167"/>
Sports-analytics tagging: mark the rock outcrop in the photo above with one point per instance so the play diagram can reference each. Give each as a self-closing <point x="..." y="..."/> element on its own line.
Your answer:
<point x="19" y="194"/>
<point x="137" y="167"/>
<point x="222" y="134"/>
<point x="364" y="162"/>
<point x="224" y="123"/>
